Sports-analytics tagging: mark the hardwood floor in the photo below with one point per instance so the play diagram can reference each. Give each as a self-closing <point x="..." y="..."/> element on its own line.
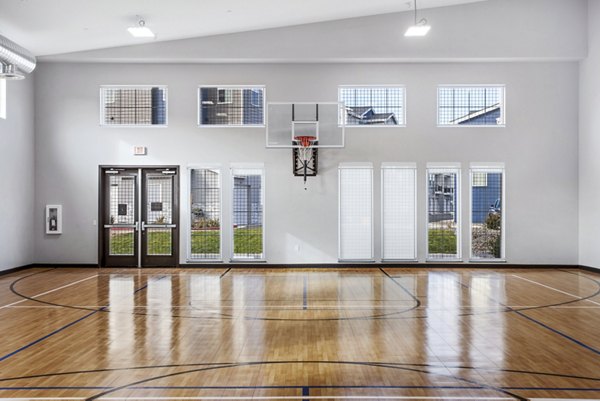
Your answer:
<point x="306" y="334"/>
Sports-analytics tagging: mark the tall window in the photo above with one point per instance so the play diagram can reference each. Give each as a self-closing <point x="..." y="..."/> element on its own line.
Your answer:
<point x="133" y="105"/>
<point x="373" y="105"/>
<point x="3" y="98"/>
<point x="231" y="106"/>
<point x="443" y="213"/>
<point x="248" y="213"/>
<point x="487" y="213"/>
<point x="471" y="105"/>
<point x="355" y="211"/>
<point x="398" y="214"/>
<point x="205" y="215"/>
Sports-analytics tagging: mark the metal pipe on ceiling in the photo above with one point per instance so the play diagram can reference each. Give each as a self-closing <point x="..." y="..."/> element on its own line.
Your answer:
<point x="15" y="60"/>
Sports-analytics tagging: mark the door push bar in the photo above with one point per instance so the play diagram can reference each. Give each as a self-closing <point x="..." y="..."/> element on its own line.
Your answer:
<point x="144" y="225"/>
<point x="122" y="226"/>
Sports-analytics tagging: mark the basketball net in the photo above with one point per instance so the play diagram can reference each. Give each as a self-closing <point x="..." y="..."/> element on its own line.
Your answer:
<point x="305" y="151"/>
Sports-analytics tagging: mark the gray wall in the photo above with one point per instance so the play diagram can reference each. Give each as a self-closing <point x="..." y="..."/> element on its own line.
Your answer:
<point x="17" y="176"/>
<point x="539" y="147"/>
<point x="589" y="146"/>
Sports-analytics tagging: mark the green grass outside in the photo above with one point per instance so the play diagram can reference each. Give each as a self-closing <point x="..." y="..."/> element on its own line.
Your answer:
<point x="442" y="241"/>
<point x="159" y="243"/>
<point x="246" y="240"/>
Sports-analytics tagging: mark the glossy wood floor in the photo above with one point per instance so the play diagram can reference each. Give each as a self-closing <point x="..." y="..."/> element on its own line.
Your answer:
<point x="464" y="334"/>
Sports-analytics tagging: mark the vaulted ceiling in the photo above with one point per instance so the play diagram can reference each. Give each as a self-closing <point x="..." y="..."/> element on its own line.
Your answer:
<point x="48" y="27"/>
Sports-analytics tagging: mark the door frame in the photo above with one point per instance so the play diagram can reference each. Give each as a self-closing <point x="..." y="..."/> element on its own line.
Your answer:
<point x="102" y="204"/>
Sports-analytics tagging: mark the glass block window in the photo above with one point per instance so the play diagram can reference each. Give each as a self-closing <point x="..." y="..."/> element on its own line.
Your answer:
<point x="231" y="106"/>
<point x="133" y="105"/>
<point x="471" y="106"/>
<point x="443" y="214"/>
<point x="398" y="212"/>
<point x="355" y="219"/>
<point x="205" y="214"/>
<point x="373" y="105"/>
<point x="487" y="213"/>
<point x="248" y="213"/>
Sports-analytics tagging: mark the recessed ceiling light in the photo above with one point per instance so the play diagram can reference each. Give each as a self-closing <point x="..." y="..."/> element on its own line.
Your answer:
<point x="420" y="28"/>
<point x="140" y="31"/>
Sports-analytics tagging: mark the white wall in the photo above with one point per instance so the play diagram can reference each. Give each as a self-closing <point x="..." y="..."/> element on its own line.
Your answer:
<point x="589" y="145"/>
<point x="539" y="147"/>
<point x="17" y="176"/>
<point x="489" y="30"/>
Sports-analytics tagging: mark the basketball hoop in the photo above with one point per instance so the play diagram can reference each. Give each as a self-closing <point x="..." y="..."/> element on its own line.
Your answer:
<point x="305" y="151"/>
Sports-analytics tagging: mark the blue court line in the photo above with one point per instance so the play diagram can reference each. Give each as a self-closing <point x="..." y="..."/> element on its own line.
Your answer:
<point x="305" y="389"/>
<point x="305" y="294"/>
<point x="305" y="393"/>
<point x="23" y="348"/>
<point x="566" y="336"/>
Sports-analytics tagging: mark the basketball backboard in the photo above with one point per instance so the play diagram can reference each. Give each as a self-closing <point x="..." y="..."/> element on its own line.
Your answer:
<point x="289" y="120"/>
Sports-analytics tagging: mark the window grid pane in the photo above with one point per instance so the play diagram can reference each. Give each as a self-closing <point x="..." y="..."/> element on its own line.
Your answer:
<point x="356" y="214"/>
<point x="205" y="195"/>
<point x="248" y="214"/>
<point x="471" y="105"/>
<point x="487" y="215"/>
<point x="368" y="106"/>
<point x="242" y="106"/>
<point x="134" y="106"/>
<point x="398" y="218"/>
<point x="443" y="223"/>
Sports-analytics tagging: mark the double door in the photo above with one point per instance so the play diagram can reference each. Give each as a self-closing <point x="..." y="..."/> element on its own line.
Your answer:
<point x="139" y="216"/>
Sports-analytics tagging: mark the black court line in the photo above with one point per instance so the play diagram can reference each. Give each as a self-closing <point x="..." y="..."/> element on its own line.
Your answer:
<point x="95" y="311"/>
<point x="226" y="271"/>
<point x="419" y="365"/>
<point x="520" y="313"/>
<point x="474" y="384"/>
<point x="384" y="316"/>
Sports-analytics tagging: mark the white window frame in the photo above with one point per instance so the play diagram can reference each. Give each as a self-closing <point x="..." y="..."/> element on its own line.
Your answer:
<point x="356" y="166"/>
<point x="502" y="107"/>
<point x="249" y="166"/>
<point x="219" y="169"/>
<point x="3" y="99"/>
<point x="219" y="87"/>
<point x="403" y="87"/>
<point x="435" y="167"/>
<point x="488" y="168"/>
<point x="102" y="110"/>
<point x="410" y="166"/>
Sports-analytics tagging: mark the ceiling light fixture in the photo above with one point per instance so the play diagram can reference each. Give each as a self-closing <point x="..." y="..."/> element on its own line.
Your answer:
<point x="140" y="31"/>
<point x="420" y="28"/>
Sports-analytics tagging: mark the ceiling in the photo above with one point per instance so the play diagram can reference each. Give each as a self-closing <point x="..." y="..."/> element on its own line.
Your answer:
<point x="48" y="27"/>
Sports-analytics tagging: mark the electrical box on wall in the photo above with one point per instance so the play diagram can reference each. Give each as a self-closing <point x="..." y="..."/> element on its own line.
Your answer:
<point x="140" y="151"/>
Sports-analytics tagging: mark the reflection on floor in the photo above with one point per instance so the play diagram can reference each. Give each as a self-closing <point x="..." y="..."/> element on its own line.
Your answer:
<point x="460" y="334"/>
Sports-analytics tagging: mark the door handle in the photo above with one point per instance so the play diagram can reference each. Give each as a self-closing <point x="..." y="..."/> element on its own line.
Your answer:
<point x="143" y="226"/>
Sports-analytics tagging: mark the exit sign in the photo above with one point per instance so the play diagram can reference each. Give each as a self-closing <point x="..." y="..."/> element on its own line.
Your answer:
<point x="140" y="151"/>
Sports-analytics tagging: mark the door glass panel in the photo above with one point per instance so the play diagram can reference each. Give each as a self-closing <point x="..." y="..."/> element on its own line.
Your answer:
<point x="121" y="241"/>
<point x="122" y="212"/>
<point x="159" y="211"/>
<point x="122" y="200"/>
<point x="159" y="241"/>
<point x="159" y="199"/>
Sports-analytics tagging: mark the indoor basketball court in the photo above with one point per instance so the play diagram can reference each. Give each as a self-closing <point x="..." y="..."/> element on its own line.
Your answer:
<point x="299" y="200"/>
